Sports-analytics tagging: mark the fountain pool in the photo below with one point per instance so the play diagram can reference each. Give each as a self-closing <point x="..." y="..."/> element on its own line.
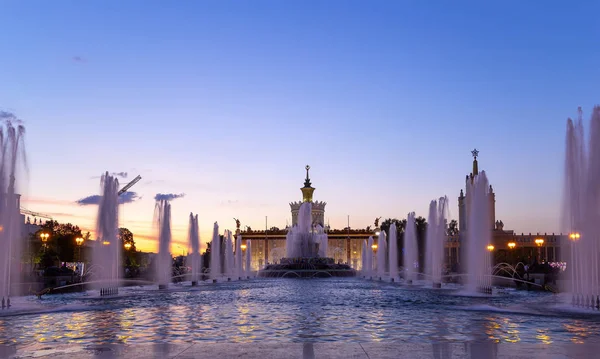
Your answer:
<point x="279" y="310"/>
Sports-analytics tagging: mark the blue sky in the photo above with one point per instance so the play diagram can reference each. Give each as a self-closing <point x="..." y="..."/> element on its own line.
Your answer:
<point x="227" y="101"/>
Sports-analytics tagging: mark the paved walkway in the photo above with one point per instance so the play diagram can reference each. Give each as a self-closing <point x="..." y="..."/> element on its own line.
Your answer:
<point x="483" y="350"/>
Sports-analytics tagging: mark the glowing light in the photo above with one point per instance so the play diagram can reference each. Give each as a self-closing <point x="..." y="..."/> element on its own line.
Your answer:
<point x="490" y="248"/>
<point x="539" y="241"/>
<point x="512" y="245"/>
<point x="574" y="236"/>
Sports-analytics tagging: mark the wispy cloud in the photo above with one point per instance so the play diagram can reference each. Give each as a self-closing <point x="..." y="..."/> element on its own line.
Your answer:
<point x="79" y="59"/>
<point x="168" y="196"/>
<point x="126" y="197"/>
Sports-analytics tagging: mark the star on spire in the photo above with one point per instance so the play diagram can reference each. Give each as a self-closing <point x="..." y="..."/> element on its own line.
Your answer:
<point x="475" y="153"/>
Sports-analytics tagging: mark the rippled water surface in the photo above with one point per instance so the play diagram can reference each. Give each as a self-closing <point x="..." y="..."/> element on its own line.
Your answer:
<point x="292" y="310"/>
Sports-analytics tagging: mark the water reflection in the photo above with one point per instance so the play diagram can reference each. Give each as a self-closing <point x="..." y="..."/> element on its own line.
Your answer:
<point x="441" y="346"/>
<point x="343" y="310"/>
<point x="482" y="346"/>
<point x="308" y="351"/>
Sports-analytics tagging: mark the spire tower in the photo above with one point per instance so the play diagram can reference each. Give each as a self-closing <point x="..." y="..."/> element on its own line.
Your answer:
<point x="307" y="190"/>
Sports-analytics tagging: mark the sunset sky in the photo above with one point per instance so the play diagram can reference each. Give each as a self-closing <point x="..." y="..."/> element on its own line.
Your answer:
<point x="226" y="102"/>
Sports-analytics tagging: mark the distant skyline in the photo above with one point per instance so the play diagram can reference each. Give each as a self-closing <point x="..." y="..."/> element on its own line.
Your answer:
<point x="226" y="102"/>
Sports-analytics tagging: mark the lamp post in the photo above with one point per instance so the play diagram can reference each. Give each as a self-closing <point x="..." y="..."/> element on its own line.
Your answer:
<point x="44" y="237"/>
<point x="374" y="248"/>
<point x="539" y="242"/>
<point x="573" y="237"/>
<point x="511" y="246"/>
<point x="79" y="242"/>
<point x="127" y="246"/>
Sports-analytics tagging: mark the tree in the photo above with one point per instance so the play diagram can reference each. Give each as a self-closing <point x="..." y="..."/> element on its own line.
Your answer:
<point x="421" y="224"/>
<point x="452" y="228"/>
<point x="400" y="225"/>
<point x="125" y="237"/>
<point x="61" y="240"/>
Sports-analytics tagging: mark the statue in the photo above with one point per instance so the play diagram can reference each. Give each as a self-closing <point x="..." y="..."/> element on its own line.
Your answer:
<point x="237" y="223"/>
<point x="377" y="222"/>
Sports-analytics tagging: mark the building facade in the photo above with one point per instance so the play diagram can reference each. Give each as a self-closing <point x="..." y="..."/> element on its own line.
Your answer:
<point x="345" y="245"/>
<point x="508" y="245"/>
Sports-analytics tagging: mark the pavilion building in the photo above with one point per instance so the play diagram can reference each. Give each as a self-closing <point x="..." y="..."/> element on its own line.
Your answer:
<point x="345" y="245"/>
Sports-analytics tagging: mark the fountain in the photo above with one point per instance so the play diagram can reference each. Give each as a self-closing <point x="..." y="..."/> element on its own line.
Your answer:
<point x="322" y="240"/>
<point x="13" y="156"/>
<point x="229" y="265"/>
<point x="435" y="240"/>
<point x="580" y="210"/>
<point x="479" y="235"/>
<point x="108" y="247"/>
<point x="393" y="252"/>
<point x="381" y="254"/>
<point x="239" y="268"/>
<point x="303" y="252"/>
<point x="194" y="240"/>
<point x="248" y="257"/>
<point x="215" y="254"/>
<point x="370" y="256"/>
<point x="164" y="268"/>
<point x="363" y="258"/>
<point x="410" y="249"/>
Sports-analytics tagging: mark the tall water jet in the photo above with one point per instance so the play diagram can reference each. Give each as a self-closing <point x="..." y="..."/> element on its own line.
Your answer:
<point x="239" y="267"/>
<point x="363" y="258"/>
<point x="381" y="254"/>
<point x="322" y="241"/>
<point x="370" y="256"/>
<point x="215" y="254"/>
<point x="164" y="268"/>
<point x="194" y="240"/>
<point x="13" y="156"/>
<point x="410" y="248"/>
<point x="301" y="240"/>
<point x="581" y="205"/>
<point x="479" y="234"/>
<point x="248" y="257"/>
<point x="435" y="238"/>
<point x="108" y="247"/>
<point x="229" y="267"/>
<point x="393" y="252"/>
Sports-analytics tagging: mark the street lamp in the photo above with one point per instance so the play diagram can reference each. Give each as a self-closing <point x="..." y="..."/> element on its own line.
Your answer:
<point x="512" y="245"/>
<point x="490" y="247"/>
<point x="374" y="247"/>
<point x="79" y="242"/>
<point x="574" y="236"/>
<point x="540" y="243"/>
<point x="44" y="237"/>
<point x="127" y="246"/>
<point x="243" y="247"/>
